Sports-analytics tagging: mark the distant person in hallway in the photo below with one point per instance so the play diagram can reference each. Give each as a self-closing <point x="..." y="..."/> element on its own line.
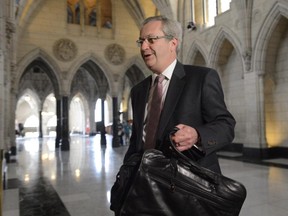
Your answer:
<point x="127" y="129"/>
<point x="192" y="101"/>
<point x="120" y="132"/>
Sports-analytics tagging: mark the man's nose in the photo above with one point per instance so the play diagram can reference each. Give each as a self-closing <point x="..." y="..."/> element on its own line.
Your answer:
<point x="145" y="45"/>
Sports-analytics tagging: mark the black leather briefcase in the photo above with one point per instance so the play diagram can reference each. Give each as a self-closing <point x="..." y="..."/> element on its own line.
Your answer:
<point x="177" y="186"/>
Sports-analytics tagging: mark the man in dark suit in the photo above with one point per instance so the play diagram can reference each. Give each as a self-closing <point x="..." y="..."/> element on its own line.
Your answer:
<point x="192" y="101"/>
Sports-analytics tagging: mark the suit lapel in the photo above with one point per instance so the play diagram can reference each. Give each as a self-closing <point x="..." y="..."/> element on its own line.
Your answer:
<point x="141" y="105"/>
<point x="176" y="86"/>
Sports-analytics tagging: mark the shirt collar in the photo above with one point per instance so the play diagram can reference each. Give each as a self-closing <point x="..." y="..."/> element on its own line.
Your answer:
<point x="167" y="72"/>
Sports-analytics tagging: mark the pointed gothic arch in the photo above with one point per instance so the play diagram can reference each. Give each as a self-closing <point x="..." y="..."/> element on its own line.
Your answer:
<point x="223" y="34"/>
<point x="277" y="14"/>
<point x="196" y="51"/>
<point x="39" y="58"/>
<point x="97" y="69"/>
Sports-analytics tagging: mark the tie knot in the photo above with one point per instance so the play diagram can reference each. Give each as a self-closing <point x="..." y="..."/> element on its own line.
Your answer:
<point x="159" y="78"/>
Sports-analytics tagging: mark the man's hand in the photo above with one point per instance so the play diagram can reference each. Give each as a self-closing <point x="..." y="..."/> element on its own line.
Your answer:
<point x="185" y="137"/>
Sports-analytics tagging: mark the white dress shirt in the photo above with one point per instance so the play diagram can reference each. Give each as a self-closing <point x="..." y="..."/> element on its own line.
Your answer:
<point x="168" y="74"/>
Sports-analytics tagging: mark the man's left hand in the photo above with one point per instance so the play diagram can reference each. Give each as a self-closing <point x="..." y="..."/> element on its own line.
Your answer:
<point x="185" y="137"/>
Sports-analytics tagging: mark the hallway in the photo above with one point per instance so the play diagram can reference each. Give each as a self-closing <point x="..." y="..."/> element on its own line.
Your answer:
<point x="45" y="181"/>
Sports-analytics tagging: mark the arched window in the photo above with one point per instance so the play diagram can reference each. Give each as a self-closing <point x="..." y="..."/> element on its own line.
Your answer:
<point x="211" y="12"/>
<point x="214" y="8"/>
<point x="77" y="14"/>
<point x="73" y="12"/>
<point x="98" y="112"/>
<point x="93" y="18"/>
<point x="203" y="12"/>
<point x="223" y="5"/>
<point x="77" y="122"/>
<point x="89" y="12"/>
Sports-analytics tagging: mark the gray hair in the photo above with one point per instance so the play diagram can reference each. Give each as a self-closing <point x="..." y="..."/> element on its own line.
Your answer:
<point x="169" y="27"/>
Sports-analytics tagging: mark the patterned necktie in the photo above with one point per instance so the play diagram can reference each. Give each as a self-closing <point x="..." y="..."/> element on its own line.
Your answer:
<point x="153" y="114"/>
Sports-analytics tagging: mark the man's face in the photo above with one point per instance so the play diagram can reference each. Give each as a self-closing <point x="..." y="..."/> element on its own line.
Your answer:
<point x="161" y="52"/>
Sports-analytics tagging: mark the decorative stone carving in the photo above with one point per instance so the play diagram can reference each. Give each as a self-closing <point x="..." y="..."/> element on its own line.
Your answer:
<point x="115" y="54"/>
<point x="247" y="59"/>
<point x="10" y="30"/>
<point x="65" y="50"/>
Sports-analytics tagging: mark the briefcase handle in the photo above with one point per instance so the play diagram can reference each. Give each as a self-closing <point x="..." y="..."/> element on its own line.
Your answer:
<point x="209" y="175"/>
<point x="175" y="150"/>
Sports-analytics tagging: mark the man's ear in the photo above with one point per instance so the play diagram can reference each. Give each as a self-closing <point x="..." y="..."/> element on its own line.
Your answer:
<point x="174" y="43"/>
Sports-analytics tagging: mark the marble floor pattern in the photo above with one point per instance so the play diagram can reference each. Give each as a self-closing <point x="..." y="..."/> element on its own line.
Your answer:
<point x="44" y="181"/>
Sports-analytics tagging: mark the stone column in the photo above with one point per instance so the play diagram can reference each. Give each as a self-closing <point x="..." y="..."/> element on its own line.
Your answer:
<point x="65" y="143"/>
<point x="2" y="101"/>
<point x="115" y="140"/>
<point x="40" y="124"/>
<point x="103" y="131"/>
<point x="261" y="120"/>
<point x="10" y="127"/>
<point x="92" y="122"/>
<point x="58" y="126"/>
<point x="9" y="78"/>
<point x="255" y="141"/>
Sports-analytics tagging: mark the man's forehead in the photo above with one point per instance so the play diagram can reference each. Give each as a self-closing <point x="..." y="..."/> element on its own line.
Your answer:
<point x="151" y="28"/>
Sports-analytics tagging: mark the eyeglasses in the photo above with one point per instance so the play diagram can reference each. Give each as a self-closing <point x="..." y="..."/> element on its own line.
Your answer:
<point x="151" y="39"/>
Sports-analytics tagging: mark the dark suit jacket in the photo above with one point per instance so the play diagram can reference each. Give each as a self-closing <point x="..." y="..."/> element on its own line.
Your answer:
<point x="195" y="98"/>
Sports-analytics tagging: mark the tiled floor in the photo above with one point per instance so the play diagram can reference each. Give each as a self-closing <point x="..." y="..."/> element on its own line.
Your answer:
<point x="45" y="181"/>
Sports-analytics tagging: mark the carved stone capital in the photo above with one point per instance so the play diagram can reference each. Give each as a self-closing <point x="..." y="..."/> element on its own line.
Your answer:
<point x="10" y="27"/>
<point x="247" y="59"/>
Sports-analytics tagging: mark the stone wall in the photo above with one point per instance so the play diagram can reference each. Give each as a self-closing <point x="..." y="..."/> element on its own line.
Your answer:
<point x="247" y="46"/>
